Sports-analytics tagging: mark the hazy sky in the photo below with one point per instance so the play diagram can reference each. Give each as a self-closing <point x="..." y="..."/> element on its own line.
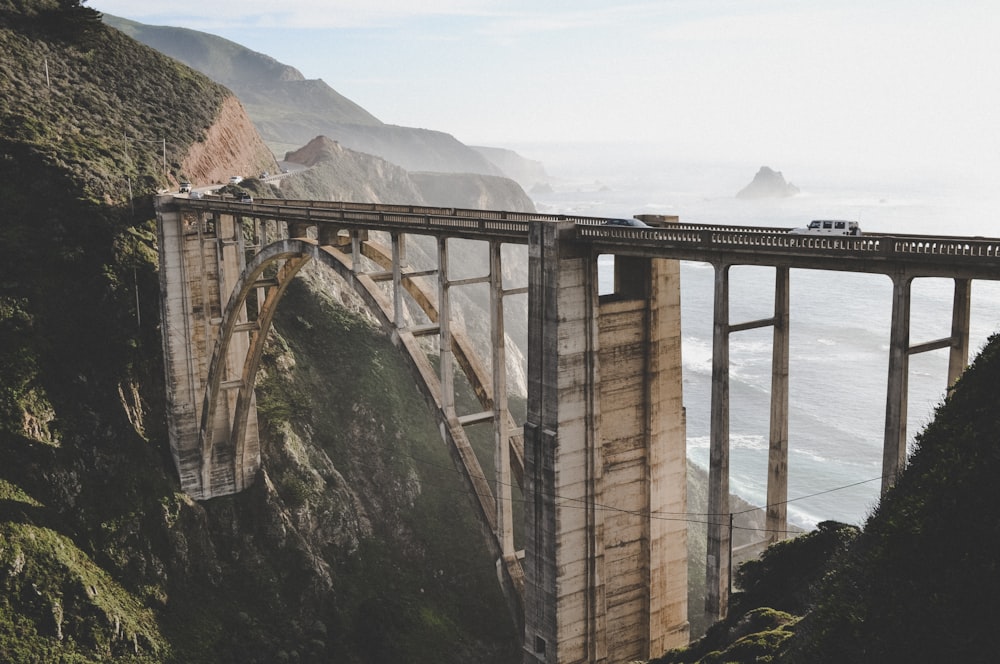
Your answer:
<point x="906" y="84"/>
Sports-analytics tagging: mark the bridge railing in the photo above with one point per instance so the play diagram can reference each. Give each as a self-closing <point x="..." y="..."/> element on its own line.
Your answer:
<point x="693" y="238"/>
<point x="780" y="240"/>
<point x="509" y="226"/>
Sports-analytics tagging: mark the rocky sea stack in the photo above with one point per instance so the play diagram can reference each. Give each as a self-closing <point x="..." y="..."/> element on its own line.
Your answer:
<point x="768" y="184"/>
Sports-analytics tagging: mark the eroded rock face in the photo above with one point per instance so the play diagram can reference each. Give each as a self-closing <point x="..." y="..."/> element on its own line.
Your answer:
<point x="768" y="183"/>
<point x="232" y="146"/>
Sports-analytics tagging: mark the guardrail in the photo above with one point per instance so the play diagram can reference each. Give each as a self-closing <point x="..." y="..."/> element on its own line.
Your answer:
<point x="692" y="241"/>
<point x="717" y="236"/>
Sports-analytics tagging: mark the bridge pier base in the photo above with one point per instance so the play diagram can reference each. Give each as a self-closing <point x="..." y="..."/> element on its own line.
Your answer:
<point x="201" y="260"/>
<point x="604" y="452"/>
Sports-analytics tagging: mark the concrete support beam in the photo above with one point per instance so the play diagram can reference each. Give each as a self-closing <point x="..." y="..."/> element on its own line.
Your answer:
<point x="397" y="281"/>
<point x="958" y="358"/>
<point x="564" y="593"/>
<point x="777" y="458"/>
<point x="666" y="447"/>
<point x="717" y="559"/>
<point x="501" y="430"/>
<point x="201" y="259"/>
<point x="447" y="368"/>
<point x="894" y="444"/>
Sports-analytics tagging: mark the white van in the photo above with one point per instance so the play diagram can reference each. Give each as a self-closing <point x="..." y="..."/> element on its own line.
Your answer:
<point x="828" y="227"/>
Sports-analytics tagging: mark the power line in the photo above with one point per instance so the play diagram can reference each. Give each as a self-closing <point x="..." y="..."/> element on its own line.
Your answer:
<point x="702" y="518"/>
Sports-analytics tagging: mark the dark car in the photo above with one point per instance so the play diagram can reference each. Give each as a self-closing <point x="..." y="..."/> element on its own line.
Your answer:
<point x="244" y="197"/>
<point x="626" y="222"/>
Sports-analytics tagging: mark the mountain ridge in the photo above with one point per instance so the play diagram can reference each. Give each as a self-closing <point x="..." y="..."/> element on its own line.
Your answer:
<point x="289" y="110"/>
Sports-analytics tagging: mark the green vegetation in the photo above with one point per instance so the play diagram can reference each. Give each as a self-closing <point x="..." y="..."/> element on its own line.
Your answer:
<point x="913" y="586"/>
<point x="420" y="575"/>
<point x="68" y="607"/>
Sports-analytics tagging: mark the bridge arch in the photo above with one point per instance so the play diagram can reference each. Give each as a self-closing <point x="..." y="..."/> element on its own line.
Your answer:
<point x="269" y="272"/>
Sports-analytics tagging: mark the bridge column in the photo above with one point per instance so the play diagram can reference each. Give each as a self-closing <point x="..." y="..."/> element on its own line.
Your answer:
<point x="564" y="571"/>
<point x="961" y="309"/>
<point x="356" y="251"/>
<point x="447" y="370"/>
<point x="894" y="445"/>
<point x="717" y="560"/>
<point x="605" y="581"/>
<point x="777" y="458"/>
<point x="501" y="431"/>
<point x="397" y="282"/>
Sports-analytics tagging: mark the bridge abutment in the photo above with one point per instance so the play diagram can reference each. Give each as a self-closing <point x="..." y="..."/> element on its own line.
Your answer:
<point x="201" y="260"/>
<point x="605" y="458"/>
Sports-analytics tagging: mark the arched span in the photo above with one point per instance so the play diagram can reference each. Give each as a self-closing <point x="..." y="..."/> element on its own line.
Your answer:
<point x="292" y="255"/>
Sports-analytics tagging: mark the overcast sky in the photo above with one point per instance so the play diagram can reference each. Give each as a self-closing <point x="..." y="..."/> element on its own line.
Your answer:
<point x="897" y="83"/>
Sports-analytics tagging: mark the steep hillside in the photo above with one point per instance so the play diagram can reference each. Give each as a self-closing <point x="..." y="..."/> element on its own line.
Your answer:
<point x="260" y="81"/>
<point x="915" y="585"/>
<point x="337" y="553"/>
<point x="289" y="110"/>
<point x="920" y="581"/>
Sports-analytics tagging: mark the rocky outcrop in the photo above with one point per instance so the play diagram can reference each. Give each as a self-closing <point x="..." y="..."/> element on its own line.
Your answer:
<point x="768" y="184"/>
<point x="413" y="149"/>
<point x="231" y="146"/>
<point x="341" y="174"/>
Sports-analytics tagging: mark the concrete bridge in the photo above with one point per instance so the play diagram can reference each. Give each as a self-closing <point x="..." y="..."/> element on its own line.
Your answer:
<point x="601" y="575"/>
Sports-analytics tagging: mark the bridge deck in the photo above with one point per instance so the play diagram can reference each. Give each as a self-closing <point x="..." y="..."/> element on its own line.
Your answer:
<point x="914" y="255"/>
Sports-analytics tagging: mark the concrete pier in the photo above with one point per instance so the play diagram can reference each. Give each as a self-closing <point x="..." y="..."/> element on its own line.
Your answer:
<point x="605" y="460"/>
<point x="201" y="260"/>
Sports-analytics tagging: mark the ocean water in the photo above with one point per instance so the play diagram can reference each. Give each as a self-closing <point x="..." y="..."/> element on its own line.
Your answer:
<point x="839" y="329"/>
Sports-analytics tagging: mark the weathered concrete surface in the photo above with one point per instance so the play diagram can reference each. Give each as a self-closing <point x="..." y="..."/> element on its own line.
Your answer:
<point x="605" y="565"/>
<point x="200" y="262"/>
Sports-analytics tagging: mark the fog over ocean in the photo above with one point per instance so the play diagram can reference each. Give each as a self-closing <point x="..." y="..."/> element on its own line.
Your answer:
<point x="839" y="321"/>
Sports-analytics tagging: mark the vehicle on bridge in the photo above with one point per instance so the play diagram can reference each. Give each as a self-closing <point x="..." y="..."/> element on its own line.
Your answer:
<point x="244" y="197"/>
<point x="828" y="227"/>
<point x="635" y="223"/>
<point x="185" y="187"/>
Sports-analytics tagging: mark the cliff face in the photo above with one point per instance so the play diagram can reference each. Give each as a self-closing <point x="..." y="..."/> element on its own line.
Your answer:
<point x="231" y="146"/>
